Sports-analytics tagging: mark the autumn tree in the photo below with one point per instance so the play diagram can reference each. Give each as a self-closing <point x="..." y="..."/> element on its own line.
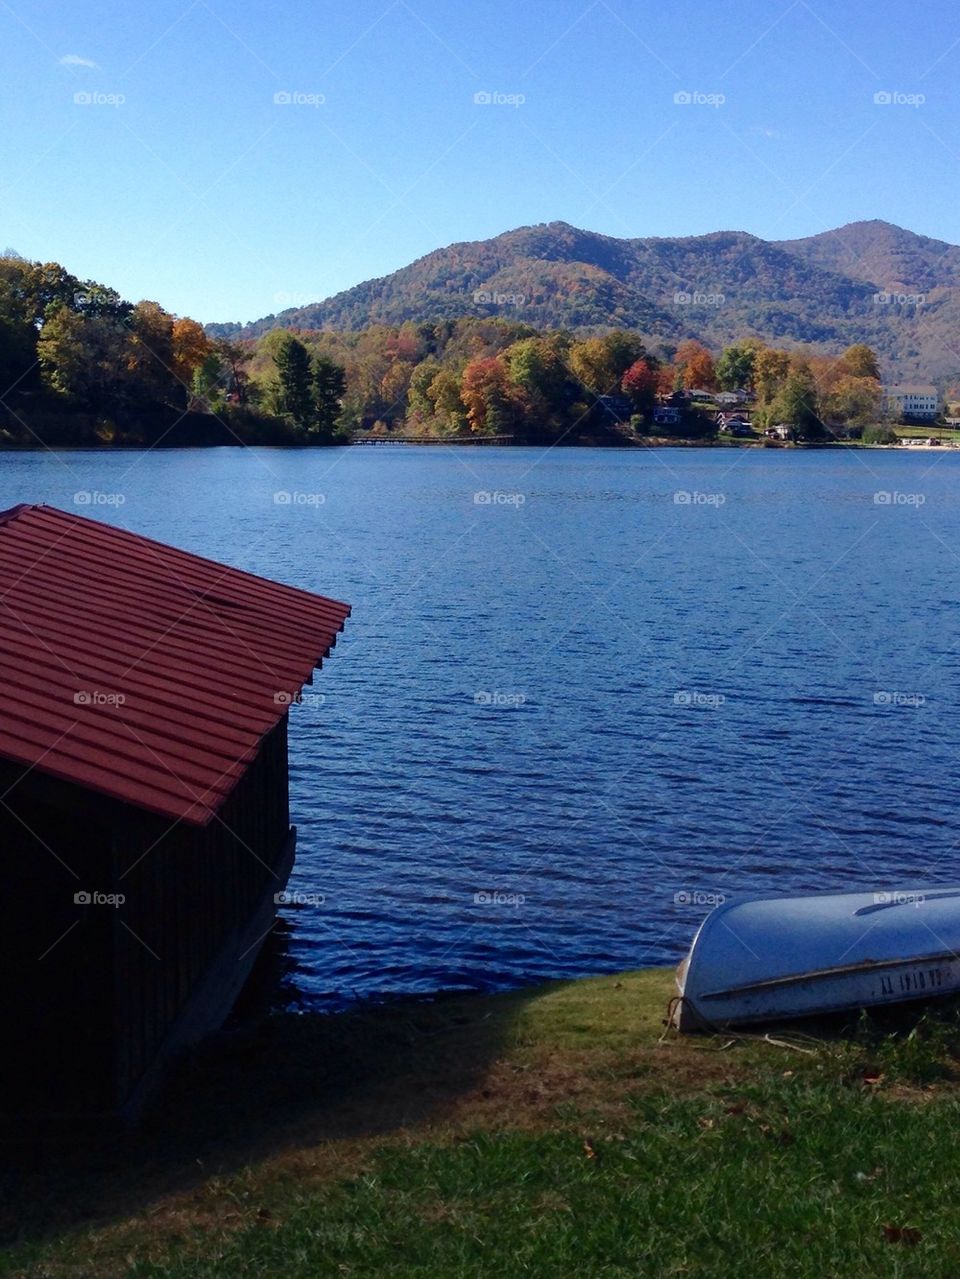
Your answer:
<point x="151" y="376"/>
<point x="235" y="358"/>
<point x="490" y="399"/>
<point x="795" y="403"/>
<point x="695" y="366"/>
<point x="191" y="347"/>
<point x="420" y="403"/>
<point x="770" y="370"/>
<point x="86" y="358"/>
<point x="861" y="361"/>
<point x="539" y="368"/>
<point x="853" y="403"/>
<point x="448" y="403"/>
<point x="591" y="362"/>
<point x="640" y="384"/>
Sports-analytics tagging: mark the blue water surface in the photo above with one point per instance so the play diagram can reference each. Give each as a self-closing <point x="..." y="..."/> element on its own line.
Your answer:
<point x="584" y="693"/>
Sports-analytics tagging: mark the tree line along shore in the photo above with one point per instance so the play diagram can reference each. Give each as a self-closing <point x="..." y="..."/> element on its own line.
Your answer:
<point x="82" y="367"/>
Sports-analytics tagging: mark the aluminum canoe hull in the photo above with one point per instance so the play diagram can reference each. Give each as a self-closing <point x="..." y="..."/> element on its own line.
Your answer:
<point x="765" y="959"/>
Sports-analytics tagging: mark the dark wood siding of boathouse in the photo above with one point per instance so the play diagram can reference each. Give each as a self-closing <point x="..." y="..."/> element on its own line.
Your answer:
<point x="188" y="889"/>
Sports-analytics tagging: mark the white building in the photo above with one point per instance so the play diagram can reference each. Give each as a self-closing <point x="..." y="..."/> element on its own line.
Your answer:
<point x="921" y="403"/>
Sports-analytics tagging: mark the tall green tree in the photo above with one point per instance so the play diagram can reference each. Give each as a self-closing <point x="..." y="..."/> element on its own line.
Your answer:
<point x="329" y="386"/>
<point x="295" y="382"/>
<point x="735" y="368"/>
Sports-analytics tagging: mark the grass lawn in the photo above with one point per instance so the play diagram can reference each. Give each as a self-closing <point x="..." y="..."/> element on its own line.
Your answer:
<point x="946" y="434"/>
<point x="554" y="1132"/>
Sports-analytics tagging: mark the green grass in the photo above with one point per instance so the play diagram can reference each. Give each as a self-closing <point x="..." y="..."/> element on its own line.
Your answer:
<point x="552" y="1132"/>
<point x="947" y="434"/>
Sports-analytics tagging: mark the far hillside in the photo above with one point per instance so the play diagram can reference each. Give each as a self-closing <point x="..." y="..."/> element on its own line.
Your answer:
<point x="868" y="282"/>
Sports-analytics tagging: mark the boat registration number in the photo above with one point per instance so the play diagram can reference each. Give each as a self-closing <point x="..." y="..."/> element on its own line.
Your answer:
<point x="913" y="981"/>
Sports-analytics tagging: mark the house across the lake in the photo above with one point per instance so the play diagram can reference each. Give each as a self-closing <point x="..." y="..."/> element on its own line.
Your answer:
<point x="617" y="406"/>
<point x="912" y="403"/>
<point x="666" y="415"/>
<point x="144" y="696"/>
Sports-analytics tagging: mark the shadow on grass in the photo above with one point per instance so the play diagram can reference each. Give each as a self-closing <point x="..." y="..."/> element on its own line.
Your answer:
<point x="283" y="1084"/>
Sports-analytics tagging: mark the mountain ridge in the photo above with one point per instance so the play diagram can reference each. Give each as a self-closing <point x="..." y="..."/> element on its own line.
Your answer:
<point x="867" y="281"/>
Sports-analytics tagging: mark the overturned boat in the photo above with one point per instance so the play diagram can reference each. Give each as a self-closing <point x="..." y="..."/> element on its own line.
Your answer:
<point x="766" y="958"/>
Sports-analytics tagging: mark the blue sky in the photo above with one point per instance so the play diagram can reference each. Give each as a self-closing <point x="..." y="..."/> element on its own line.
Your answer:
<point x="175" y="175"/>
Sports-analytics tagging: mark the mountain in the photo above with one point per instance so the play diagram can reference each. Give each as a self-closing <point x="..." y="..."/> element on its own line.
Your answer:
<point x="880" y="253"/>
<point x="865" y="282"/>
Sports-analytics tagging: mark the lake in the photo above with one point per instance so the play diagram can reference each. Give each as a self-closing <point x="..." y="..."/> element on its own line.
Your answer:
<point x="584" y="693"/>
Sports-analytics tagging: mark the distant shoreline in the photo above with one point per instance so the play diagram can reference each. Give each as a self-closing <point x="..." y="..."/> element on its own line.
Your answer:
<point x="391" y="445"/>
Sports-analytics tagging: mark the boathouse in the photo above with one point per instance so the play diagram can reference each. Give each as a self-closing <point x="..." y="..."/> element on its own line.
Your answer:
<point x="144" y="817"/>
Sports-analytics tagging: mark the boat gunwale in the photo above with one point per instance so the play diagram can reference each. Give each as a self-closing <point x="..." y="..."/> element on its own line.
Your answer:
<point x="823" y="974"/>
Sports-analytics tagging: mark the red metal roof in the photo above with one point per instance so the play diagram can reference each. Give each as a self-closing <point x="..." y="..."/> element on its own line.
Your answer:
<point x="141" y="671"/>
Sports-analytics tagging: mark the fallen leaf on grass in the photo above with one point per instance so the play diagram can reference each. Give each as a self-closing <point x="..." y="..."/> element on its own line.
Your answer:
<point x="908" y="1235"/>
